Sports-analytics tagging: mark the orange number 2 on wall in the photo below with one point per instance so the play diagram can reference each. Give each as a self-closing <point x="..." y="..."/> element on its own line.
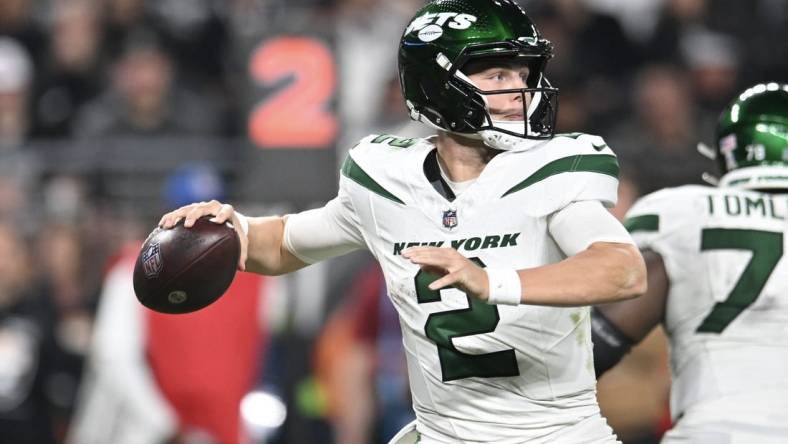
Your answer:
<point x="299" y="116"/>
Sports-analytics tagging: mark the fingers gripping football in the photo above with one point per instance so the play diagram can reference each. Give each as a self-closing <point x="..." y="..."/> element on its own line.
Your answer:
<point x="221" y="213"/>
<point x="457" y="270"/>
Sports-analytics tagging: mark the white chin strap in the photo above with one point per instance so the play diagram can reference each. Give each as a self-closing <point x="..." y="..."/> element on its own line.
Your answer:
<point x="502" y="141"/>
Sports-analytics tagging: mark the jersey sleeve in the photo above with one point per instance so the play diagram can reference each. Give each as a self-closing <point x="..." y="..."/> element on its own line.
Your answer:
<point x="643" y="222"/>
<point x="658" y="220"/>
<point x="579" y="167"/>
<point x="322" y="233"/>
<point x="599" y="170"/>
<point x="580" y="224"/>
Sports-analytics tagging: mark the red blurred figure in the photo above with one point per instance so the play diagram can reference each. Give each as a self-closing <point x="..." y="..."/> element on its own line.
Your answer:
<point x="155" y="378"/>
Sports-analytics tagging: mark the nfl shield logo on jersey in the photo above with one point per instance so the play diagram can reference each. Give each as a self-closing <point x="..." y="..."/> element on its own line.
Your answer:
<point x="151" y="260"/>
<point x="450" y="219"/>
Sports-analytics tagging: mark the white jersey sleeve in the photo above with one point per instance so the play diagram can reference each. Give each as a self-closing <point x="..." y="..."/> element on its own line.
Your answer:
<point x="596" y="158"/>
<point x="322" y="233"/>
<point x="580" y="224"/>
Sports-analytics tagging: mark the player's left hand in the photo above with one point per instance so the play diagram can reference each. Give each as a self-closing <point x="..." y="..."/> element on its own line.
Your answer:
<point x="455" y="270"/>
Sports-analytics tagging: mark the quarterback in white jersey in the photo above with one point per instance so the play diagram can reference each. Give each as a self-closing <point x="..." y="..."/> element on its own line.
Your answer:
<point x="718" y="281"/>
<point x="481" y="372"/>
<point x="493" y="235"/>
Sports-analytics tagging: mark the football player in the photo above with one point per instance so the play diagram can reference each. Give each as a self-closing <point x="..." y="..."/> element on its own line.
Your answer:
<point x="493" y="235"/>
<point x="718" y="282"/>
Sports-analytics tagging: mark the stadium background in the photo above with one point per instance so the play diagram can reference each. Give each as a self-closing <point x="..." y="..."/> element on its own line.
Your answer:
<point x="114" y="111"/>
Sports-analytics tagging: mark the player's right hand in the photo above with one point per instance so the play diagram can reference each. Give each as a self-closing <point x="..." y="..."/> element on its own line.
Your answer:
<point x="221" y="213"/>
<point x="454" y="268"/>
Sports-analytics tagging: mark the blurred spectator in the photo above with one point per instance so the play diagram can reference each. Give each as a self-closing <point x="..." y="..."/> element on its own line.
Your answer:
<point x="765" y="49"/>
<point x="61" y="260"/>
<point x="122" y="17"/>
<point x="12" y="198"/>
<point x="248" y="19"/>
<point x="27" y="348"/>
<point x="70" y="290"/>
<point x="16" y="80"/>
<point x="196" y="38"/>
<point x="594" y="60"/>
<point x="71" y="74"/>
<point x="146" y="99"/>
<point x="154" y="378"/>
<point x="65" y="198"/>
<point x="16" y="21"/>
<point x="713" y="63"/>
<point x="367" y="58"/>
<point x="676" y="18"/>
<point x="657" y="145"/>
<point x="391" y="114"/>
<point x="638" y="17"/>
<point x="361" y="364"/>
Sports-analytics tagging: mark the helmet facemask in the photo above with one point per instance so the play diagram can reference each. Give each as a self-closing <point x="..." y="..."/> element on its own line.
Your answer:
<point x="539" y="98"/>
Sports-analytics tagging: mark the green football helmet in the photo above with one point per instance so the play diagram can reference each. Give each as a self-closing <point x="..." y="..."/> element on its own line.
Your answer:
<point x="752" y="139"/>
<point x="444" y="37"/>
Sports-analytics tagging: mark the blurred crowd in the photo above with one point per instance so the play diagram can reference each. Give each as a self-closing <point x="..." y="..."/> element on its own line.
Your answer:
<point x="648" y="75"/>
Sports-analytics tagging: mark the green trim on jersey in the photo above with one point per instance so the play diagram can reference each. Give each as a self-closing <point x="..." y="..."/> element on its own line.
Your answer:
<point x="767" y="250"/>
<point x="352" y="171"/>
<point x="646" y="222"/>
<point x="587" y="163"/>
<point x="397" y="142"/>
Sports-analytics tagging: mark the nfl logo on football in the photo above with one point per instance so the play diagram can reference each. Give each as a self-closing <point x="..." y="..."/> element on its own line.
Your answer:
<point x="151" y="260"/>
<point x="450" y="219"/>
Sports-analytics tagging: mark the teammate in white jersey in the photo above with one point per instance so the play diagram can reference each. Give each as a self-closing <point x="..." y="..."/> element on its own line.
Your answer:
<point x="493" y="235"/>
<point x="718" y="282"/>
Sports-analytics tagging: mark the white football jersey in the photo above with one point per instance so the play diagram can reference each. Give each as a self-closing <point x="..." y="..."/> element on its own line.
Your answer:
<point x="478" y="372"/>
<point x="727" y="308"/>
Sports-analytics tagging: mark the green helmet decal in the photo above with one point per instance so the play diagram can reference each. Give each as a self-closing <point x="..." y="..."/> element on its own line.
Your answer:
<point x="444" y="36"/>
<point x="752" y="138"/>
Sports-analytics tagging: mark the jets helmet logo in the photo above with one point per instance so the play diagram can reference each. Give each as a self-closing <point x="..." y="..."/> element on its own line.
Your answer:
<point x="430" y="25"/>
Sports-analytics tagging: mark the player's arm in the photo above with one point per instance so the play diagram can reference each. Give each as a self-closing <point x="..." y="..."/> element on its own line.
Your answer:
<point x="603" y="265"/>
<point x="262" y="249"/>
<point x="603" y="272"/>
<point x="281" y="244"/>
<point x="616" y="327"/>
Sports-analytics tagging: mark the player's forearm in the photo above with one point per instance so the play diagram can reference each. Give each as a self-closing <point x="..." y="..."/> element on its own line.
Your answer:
<point x="605" y="272"/>
<point x="267" y="254"/>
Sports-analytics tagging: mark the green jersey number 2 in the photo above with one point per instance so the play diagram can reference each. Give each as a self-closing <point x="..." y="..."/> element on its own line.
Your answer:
<point x="767" y="249"/>
<point x="477" y="319"/>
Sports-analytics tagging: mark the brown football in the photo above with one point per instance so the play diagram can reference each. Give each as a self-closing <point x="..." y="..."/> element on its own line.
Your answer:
<point x="181" y="270"/>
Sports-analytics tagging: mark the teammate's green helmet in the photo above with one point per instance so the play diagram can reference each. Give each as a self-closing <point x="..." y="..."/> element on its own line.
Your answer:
<point x="447" y="34"/>
<point x="752" y="138"/>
